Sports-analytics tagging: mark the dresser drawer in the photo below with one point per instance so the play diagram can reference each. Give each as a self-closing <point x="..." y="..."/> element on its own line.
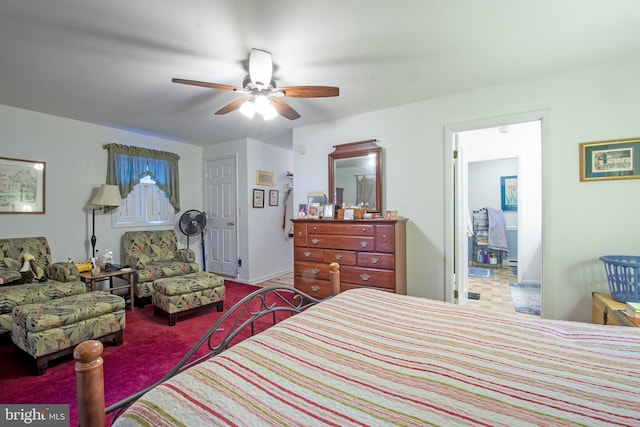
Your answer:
<point x="342" y="229"/>
<point x="341" y="257"/>
<point x="347" y="286"/>
<point x="313" y="287"/>
<point x="376" y="260"/>
<point x="307" y="254"/>
<point x="341" y="242"/>
<point x="385" y="238"/>
<point x="300" y="234"/>
<point x="368" y="277"/>
<point x="314" y="270"/>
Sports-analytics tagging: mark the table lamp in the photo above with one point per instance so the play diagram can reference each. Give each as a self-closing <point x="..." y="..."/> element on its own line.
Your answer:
<point x="107" y="195"/>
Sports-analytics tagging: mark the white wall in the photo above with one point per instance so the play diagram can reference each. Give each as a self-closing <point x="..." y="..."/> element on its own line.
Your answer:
<point x="586" y="105"/>
<point x="270" y="252"/>
<point x="76" y="165"/>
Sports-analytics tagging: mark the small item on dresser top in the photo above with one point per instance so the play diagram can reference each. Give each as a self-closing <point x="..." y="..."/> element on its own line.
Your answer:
<point x="348" y="213"/>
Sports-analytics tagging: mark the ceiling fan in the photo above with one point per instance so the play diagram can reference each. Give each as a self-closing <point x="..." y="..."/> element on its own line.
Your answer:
<point x="262" y="95"/>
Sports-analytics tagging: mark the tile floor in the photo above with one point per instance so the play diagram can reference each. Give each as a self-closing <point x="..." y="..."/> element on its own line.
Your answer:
<point x="495" y="294"/>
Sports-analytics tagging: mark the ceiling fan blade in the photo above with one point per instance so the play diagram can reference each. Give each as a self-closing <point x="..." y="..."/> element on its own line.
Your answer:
<point x="207" y="84"/>
<point x="284" y="109"/>
<point x="260" y="67"/>
<point x="233" y="106"/>
<point x="309" y="91"/>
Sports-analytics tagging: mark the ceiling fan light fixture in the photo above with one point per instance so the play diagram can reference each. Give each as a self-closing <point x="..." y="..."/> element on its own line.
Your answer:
<point x="269" y="112"/>
<point x="264" y="107"/>
<point x="248" y="109"/>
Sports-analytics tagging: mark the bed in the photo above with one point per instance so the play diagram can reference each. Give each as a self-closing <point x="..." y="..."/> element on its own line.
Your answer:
<point x="366" y="357"/>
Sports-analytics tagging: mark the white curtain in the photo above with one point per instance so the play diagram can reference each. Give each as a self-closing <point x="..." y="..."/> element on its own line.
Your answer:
<point x="366" y="191"/>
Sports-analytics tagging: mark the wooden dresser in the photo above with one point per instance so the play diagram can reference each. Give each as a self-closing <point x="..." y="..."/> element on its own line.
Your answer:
<point x="607" y="311"/>
<point x="371" y="253"/>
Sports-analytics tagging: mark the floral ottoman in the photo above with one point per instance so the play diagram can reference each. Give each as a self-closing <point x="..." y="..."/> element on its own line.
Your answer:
<point x="182" y="295"/>
<point x="51" y="329"/>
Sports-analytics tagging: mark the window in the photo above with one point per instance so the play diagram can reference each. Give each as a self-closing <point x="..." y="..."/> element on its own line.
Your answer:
<point x="145" y="205"/>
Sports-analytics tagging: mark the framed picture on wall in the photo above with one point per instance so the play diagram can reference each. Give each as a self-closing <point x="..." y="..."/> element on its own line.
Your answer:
<point x="273" y="197"/>
<point x="23" y="187"/>
<point x="264" y="178"/>
<point x="258" y="198"/>
<point x="509" y="192"/>
<point x="616" y="159"/>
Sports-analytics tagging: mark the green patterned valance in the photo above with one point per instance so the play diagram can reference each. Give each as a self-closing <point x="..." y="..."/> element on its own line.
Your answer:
<point x="127" y="165"/>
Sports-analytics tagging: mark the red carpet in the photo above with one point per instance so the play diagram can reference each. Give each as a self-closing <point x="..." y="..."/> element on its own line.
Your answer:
<point x="151" y="348"/>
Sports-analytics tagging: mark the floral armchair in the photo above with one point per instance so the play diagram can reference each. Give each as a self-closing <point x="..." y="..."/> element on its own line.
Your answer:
<point x="52" y="280"/>
<point x="155" y="255"/>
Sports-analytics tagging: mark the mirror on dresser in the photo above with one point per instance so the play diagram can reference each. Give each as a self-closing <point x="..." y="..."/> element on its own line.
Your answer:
<point x="355" y="175"/>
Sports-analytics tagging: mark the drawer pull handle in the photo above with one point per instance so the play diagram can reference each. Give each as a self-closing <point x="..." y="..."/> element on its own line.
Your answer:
<point x="299" y="233"/>
<point x="315" y="241"/>
<point x="315" y="228"/>
<point x="374" y="260"/>
<point x="315" y="288"/>
<point x="364" y="230"/>
<point x="384" y="237"/>
<point x="365" y="277"/>
<point x="307" y="254"/>
<point x="364" y="243"/>
<point x="315" y="270"/>
<point x="338" y="257"/>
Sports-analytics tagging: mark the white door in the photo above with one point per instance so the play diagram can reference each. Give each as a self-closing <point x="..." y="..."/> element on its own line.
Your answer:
<point x="221" y="202"/>
<point x="461" y="221"/>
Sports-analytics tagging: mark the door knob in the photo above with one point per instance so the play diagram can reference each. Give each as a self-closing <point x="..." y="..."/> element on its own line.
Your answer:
<point x="231" y="223"/>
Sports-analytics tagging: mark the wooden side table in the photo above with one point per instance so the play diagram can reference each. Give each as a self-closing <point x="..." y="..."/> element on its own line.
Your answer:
<point x="607" y="311"/>
<point x="87" y="277"/>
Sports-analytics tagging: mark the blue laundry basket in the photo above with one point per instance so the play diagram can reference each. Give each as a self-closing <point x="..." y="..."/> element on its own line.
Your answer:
<point x="623" y="273"/>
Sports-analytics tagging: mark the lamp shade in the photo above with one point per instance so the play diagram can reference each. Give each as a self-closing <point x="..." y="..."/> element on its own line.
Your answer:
<point x="107" y="195"/>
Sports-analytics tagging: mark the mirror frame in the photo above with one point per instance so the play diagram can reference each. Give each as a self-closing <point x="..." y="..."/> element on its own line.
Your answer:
<point x="357" y="149"/>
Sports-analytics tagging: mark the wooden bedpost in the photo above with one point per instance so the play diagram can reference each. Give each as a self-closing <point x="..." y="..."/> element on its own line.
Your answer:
<point x="90" y="384"/>
<point x="334" y="278"/>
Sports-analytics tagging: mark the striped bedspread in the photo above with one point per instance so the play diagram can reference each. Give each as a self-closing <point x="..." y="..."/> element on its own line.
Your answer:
<point x="367" y="358"/>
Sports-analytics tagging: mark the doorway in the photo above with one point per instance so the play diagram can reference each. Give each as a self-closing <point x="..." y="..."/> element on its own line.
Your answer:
<point x="221" y="242"/>
<point x="518" y="137"/>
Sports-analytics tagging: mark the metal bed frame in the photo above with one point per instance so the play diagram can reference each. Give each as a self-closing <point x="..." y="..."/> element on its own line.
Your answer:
<point x="267" y="301"/>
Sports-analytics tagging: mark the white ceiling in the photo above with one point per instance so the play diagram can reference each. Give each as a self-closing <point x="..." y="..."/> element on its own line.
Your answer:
<point x="111" y="62"/>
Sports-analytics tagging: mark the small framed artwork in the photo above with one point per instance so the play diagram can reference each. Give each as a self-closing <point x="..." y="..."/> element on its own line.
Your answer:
<point x="348" y="213"/>
<point x="615" y="159"/>
<point x="314" y="210"/>
<point x="328" y="211"/>
<point x="264" y="178"/>
<point x="303" y="210"/>
<point x="273" y="197"/>
<point x="509" y="192"/>
<point x="22" y="189"/>
<point x="258" y="198"/>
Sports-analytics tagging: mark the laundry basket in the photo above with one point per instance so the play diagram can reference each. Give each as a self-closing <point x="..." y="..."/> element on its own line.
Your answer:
<point x="623" y="273"/>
